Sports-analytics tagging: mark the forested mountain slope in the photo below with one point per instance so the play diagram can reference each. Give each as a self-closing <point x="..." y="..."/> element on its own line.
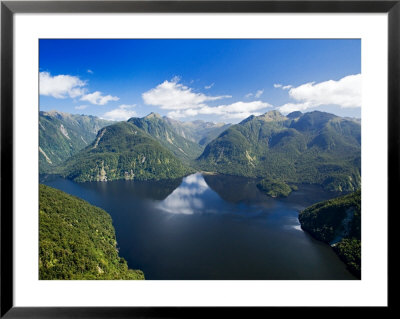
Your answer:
<point x="77" y="240"/>
<point x="123" y="151"/>
<point x="314" y="147"/>
<point x="62" y="135"/>
<point x="337" y="222"/>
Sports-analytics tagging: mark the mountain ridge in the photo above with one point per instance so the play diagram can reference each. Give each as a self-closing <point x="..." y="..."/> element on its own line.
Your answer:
<point x="312" y="147"/>
<point x="123" y="151"/>
<point x="161" y="130"/>
<point x="315" y="147"/>
<point x="62" y="135"/>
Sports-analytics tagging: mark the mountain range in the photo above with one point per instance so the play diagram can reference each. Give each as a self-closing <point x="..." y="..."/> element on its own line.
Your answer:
<point x="314" y="147"/>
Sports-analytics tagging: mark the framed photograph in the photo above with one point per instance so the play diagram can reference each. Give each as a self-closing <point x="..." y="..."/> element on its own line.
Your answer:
<point x="172" y="158"/>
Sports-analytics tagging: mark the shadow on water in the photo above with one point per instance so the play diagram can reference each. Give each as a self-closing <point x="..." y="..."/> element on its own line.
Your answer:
<point x="156" y="190"/>
<point x="235" y="189"/>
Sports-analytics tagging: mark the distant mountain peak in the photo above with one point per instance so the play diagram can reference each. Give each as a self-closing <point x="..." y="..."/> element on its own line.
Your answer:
<point x="273" y="115"/>
<point x="153" y="115"/>
<point x="57" y="114"/>
<point x="294" y="114"/>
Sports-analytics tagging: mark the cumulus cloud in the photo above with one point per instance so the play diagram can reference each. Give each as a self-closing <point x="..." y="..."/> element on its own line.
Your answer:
<point x="122" y="113"/>
<point x="235" y="110"/>
<point x="291" y="107"/>
<point x="176" y="79"/>
<point x="63" y="86"/>
<point x="345" y="93"/>
<point x="98" y="99"/>
<point x="182" y="102"/>
<point x="277" y="86"/>
<point x="171" y="95"/>
<point x="60" y="86"/>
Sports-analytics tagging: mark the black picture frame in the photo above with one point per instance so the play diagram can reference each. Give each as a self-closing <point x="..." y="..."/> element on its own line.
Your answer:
<point x="9" y="8"/>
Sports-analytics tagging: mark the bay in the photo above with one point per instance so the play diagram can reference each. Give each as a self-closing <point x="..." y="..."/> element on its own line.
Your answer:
<point x="211" y="227"/>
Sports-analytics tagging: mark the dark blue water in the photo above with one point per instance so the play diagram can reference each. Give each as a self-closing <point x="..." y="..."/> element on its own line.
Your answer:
<point x="211" y="227"/>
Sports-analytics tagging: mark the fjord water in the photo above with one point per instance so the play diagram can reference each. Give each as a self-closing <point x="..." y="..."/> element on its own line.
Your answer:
<point x="211" y="227"/>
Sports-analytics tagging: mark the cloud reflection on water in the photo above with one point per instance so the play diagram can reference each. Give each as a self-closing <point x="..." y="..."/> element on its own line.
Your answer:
<point x="187" y="198"/>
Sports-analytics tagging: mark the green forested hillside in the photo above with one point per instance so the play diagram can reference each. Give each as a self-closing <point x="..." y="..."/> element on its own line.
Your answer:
<point x="77" y="240"/>
<point x="162" y="131"/>
<point x="337" y="222"/>
<point x="314" y="147"/>
<point x="123" y="151"/>
<point x="62" y="135"/>
<point x="275" y="188"/>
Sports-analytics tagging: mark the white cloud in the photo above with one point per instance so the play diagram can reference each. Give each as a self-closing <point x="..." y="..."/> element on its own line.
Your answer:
<point x="63" y="86"/>
<point x="345" y="93"/>
<point x="122" y="113"/>
<point x="258" y="93"/>
<point x="98" y="99"/>
<point x="242" y="107"/>
<point x="171" y="95"/>
<point x="60" y="86"/>
<point x="176" y="79"/>
<point x="283" y="87"/>
<point x="80" y="107"/>
<point x="236" y="110"/>
<point x="182" y="102"/>
<point x="89" y="71"/>
<point x="207" y="87"/>
<point x="291" y="107"/>
<point x="127" y="106"/>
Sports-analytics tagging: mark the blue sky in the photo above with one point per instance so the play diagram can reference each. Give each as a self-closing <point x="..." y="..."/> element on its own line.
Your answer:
<point x="214" y="80"/>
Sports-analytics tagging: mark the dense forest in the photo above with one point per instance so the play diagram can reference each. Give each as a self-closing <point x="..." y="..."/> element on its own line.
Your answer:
<point x="77" y="240"/>
<point x="275" y="188"/>
<point x="337" y="222"/>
